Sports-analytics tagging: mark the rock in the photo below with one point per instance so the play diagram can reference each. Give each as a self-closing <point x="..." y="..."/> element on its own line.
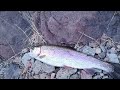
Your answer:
<point x="97" y="50"/>
<point x="53" y="76"/>
<point x="102" y="55"/>
<point x="93" y="44"/>
<point x="85" y="75"/>
<point x="41" y="67"/>
<point x="25" y="59"/>
<point x="112" y="57"/>
<point x="106" y="59"/>
<point x="97" y="77"/>
<point x="75" y="76"/>
<point x="44" y="76"/>
<point x="17" y="60"/>
<point x="36" y="76"/>
<point x="112" y="50"/>
<point x="88" y="50"/>
<point x="105" y="77"/>
<point x="102" y="48"/>
<point x="109" y="44"/>
<point x="118" y="46"/>
<point x="47" y="68"/>
<point x="65" y="73"/>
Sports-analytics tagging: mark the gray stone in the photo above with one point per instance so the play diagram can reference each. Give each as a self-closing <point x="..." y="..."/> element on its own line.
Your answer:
<point x="42" y="67"/>
<point x="44" y="76"/>
<point x="75" y="76"/>
<point x="65" y="73"/>
<point x="88" y="50"/>
<point x="85" y="75"/>
<point x="102" y="55"/>
<point x="112" y="57"/>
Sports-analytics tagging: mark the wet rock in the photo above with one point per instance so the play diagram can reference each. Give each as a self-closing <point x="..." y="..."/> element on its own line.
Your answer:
<point x="112" y="57"/>
<point x="41" y="67"/>
<point x="65" y="73"/>
<point x="88" y="50"/>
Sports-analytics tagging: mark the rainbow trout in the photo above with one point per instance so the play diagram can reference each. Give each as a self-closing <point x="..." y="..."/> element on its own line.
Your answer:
<point x="60" y="57"/>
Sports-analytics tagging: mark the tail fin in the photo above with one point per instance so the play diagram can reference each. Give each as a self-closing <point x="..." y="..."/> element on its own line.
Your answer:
<point x="116" y="73"/>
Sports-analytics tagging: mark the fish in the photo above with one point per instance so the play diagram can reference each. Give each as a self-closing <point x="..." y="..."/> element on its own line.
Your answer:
<point x="61" y="57"/>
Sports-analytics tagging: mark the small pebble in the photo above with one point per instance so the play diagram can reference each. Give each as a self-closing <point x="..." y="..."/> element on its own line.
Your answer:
<point x="44" y="76"/>
<point x="93" y="44"/>
<point x="36" y="77"/>
<point x="106" y="59"/>
<point x="53" y="76"/>
<point x="118" y="46"/>
<point x="97" y="50"/>
<point x="102" y="55"/>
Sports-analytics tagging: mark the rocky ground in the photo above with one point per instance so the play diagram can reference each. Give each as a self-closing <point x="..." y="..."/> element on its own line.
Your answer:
<point x="103" y="49"/>
<point x="95" y="33"/>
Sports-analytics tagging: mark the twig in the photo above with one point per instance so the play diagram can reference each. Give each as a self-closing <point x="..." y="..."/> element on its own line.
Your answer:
<point x="23" y="32"/>
<point x="111" y="20"/>
<point x="79" y="39"/>
<point x="89" y="37"/>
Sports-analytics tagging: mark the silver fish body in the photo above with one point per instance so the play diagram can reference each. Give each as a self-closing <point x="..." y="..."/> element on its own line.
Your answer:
<point x="58" y="56"/>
